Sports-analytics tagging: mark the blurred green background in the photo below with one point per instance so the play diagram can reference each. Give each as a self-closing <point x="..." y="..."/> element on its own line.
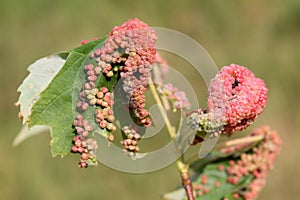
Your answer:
<point x="262" y="35"/>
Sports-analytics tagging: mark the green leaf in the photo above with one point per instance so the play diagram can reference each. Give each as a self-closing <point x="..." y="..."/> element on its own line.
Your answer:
<point x="215" y="156"/>
<point x="225" y="188"/>
<point x="55" y="106"/>
<point x="41" y="74"/>
<point x="101" y="81"/>
<point x="213" y="175"/>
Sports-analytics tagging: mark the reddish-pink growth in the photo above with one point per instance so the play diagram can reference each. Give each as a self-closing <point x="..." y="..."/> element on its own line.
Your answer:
<point x="82" y="144"/>
<point x="238" y="95"/>
<point x="128" y="26"/>
<point x="236" y="195"/>
<point x="204" y="179"/>
<point x="254" y="163"/>
<point x="220" y="167"/>
<point x="130" y="142"/>
<point x="217" y="184"/>
<point x="258" y="163"/>
<point x="130" y="51"/>
<point x="83" y="42"/>
<point x="177" y="97"/>
<point x="206" y="190"/>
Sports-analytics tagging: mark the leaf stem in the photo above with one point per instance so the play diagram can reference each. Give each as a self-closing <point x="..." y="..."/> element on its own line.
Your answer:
<point x="158" y="101"/>
<point x="182" y="167"/>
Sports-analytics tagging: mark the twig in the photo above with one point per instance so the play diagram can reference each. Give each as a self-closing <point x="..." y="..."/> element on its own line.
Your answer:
<point x="185" y="178"/>
<point x="181" y="166"/>
<point x="158" y="101"/>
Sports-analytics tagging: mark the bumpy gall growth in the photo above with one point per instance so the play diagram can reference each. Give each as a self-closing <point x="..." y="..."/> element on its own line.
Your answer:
<point x="255" y="163"/>
<point x="237" y="95"/>
<point x="130" y="143"/>
<point x="177" y="97"/>
<point x="128" y="53"/>
<point x="236" y="98"/>
<point x="258" y="163"/>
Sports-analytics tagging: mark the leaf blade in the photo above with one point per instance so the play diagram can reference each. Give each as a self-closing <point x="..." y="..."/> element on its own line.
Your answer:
<point x="41" y="74"/>
<point x="55" y="107"/>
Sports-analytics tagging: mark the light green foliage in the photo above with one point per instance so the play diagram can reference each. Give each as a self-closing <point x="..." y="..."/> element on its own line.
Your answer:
<point x="41" y="74"/>
<point x="54" y="107"/>
<point x="213" y="174"/>
<point x="210" y="168"/>
<point x="225" y="189"/>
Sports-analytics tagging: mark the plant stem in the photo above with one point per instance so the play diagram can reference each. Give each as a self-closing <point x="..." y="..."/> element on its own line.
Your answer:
<point x="158" y="101"/>
<point x="182" y="167"/>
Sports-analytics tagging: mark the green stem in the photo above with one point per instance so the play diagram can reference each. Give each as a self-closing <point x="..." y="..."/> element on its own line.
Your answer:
<point x="182" y="167"/>
<point x="158" y="101"/>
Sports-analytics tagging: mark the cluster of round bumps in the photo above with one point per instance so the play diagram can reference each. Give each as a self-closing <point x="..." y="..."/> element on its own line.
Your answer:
<point x="92" y="96"/>
<point x="257" y="163"/>
<point x="104" y="115"/>
<point x="89" y="90"/>
<point x="205" y="123"/>
<point x="238" y="95"/>
<point x="130" y="143"/>
<point x="83" y="144"/>
<point x="129" y="51"/>
<point x="178" y="98"/>
<point x="137" y="103"/>
<point x="202" y="188"/>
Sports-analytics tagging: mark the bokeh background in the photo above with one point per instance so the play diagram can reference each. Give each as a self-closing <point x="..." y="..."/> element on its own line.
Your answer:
<point x="262" y="35"/>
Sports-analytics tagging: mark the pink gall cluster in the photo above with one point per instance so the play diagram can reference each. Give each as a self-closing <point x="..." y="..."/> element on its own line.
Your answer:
<point x="105" y="118"/>
<point x="238" y="95"/>
<point x="84" y="42"/>
<point x="103" y="98"/>
<point x="83" y="144"/>
<point x="130" y="51"/>
<point x="178" y="98"/>
<point x="258" y="163"/>
<point x="104" y="115"/>
<point x="89" y="91"/>
<point x="202" y="188"/>
<point x="137" y="103"/>
<point x="91" y="96"/>
<point x="130" y="143"/>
